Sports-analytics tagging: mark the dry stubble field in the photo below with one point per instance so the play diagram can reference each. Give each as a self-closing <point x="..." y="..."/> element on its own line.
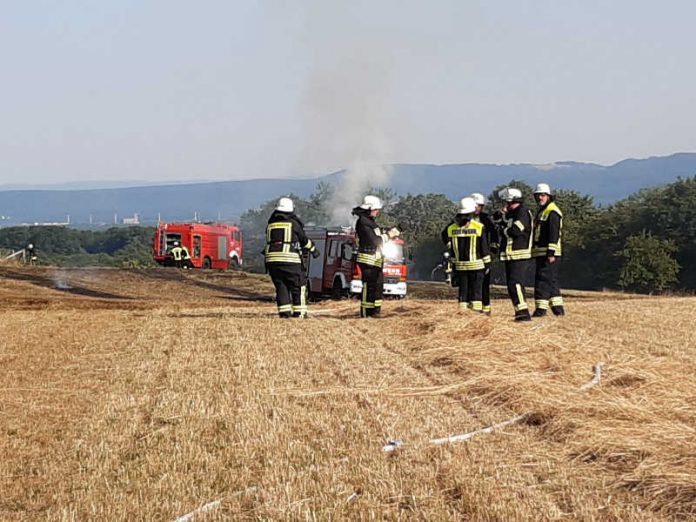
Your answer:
<point x="144" y="395"/>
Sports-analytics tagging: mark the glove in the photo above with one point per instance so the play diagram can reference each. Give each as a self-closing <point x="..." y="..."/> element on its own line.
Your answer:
<point x="315" y="253"/>
<point x="393" y="232"/>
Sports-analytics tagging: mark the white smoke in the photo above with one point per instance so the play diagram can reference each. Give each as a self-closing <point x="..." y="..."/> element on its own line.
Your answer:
<point x="348" y="81"/>
<point x="356" y="182"/>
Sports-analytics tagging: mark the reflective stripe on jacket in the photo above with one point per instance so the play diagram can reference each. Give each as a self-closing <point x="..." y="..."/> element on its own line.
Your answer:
<point x="469" y="245"/>
<point x="285" y="239"/>
<point x="516" y="235"/>
<point x="370" y="239"/>
<point x="548" y="229"/>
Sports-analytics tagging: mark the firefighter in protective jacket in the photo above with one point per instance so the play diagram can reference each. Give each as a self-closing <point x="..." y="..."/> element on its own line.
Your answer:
<point x="515" y="248"/>
<point x="285" y="242"/>
<point x="370" y="258"/>
<point x="177" y="254"/>
<point x="467" y="241"/>
<point x="546" y="249"/>
<point x="492" y="237"/>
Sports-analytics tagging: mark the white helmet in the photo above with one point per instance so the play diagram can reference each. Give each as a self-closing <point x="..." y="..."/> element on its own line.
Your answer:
<point x="371" y="203"/>
<point x="543" y="188"/>
<point x="176" y="243"/>
<point x="479" y="198"/>
<point x="30" y="246"/>
<point x="467" y="206"/>
<point x="285" y="205"/>
<point x="509" y="194"/>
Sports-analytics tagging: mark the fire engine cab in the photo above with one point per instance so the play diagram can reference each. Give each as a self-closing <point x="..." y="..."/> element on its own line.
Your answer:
<point x="332" y="271"/>
<point x="211" y="245"/>
<point x="336" y="273"/>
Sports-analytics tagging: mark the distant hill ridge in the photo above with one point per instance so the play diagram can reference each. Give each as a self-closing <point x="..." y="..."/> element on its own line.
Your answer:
<point x="226" y="200"/>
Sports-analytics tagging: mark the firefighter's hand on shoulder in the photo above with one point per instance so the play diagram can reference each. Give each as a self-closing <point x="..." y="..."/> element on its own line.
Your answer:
<point x="393" y="232"/>
<point x="315" y="253"/>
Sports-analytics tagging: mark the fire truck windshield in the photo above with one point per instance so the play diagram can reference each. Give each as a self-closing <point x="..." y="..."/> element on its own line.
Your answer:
<point x="393" y="252"/>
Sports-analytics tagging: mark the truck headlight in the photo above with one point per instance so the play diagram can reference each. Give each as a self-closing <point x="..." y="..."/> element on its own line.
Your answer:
<point x="390" y="250"/>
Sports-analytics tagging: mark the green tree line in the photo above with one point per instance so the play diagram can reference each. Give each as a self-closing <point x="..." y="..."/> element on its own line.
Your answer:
<point x="61" y="246"/>
<point x="644" y="243"/>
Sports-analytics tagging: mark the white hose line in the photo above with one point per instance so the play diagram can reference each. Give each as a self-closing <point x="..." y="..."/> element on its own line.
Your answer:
<point x="203" y="509"/>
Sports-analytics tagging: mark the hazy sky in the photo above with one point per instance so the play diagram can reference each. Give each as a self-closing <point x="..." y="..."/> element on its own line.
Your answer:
<point x="225" y="89"/>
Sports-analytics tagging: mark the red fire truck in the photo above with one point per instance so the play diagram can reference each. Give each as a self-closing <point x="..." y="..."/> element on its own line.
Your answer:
<point x="335" y="271"/>
<point x="211" y="245"/>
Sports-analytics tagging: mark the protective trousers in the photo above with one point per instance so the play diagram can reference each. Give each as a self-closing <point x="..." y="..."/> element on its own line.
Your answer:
<point x="372" y="290"/>
<point x="514" y="275"/>
<point x="486" y="290"/>
<point x="547" y="290"/>
<point x="470" y="289"/>
<point x="291" y="289"/>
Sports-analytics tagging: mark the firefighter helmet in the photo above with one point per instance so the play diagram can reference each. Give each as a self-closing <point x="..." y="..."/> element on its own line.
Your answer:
<point x="30" y="246"/>
<point x="371" y="203"/>
<point x="467" y="206"/>
<point x="510" y="194"/>
<point x="285" y="205"/>
<point x="478" y="198"/>
<point x="543" y="188"/>
<point x="176" y="243"/>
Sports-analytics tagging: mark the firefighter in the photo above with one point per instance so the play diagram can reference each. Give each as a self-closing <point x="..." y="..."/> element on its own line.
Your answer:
<point x="186" y="258"/>
<point x="515" y="228"/>
<point x="30" y="256"/>
<point x="546" y="249"/>
<point x="468" y="243"/>
<point x="370" y="258"/>
<point x="492" y="237"/>
<point x="285" y="242"/>
<point x="177" y="254"/>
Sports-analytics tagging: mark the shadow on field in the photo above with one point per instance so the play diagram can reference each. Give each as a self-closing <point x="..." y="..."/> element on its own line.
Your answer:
<point x="235" y="294"/>
<point x="61" y="285"/>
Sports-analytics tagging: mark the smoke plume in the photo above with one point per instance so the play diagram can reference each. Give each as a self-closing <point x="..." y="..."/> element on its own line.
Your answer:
<point x="348" y="81"/>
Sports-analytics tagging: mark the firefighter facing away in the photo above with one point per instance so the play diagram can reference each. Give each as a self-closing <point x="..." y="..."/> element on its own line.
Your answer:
<point x="370" y="257"/>
<point x="515" y="227"/>
<point x="546" y="249"/>
<point x="467" y="241"/>
<point x="177" y="254"/>
<point x="285" y="242"/>
<point x="492" y="236"/>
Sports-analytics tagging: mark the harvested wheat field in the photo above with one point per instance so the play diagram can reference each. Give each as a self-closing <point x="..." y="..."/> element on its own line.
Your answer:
<point x="153" y="394"/>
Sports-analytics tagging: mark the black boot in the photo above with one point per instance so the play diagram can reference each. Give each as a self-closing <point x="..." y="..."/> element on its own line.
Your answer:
<point x="558" y="310"/>
<point x="539" y="312"/>
<point x="522" y="315"/>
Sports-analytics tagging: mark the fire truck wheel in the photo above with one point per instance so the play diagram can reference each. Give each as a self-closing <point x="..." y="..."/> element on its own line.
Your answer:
<point x="337" y="291"/>
<point x="207" y="263"/>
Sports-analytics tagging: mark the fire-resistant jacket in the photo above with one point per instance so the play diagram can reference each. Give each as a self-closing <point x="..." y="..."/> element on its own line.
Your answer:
<point x="490" y="230"/>
<point x="468" y="242"/>
<point x="516" y="235"/>
<point x="548" y="229"/>
<point x="285" y="239"/>
<point x="370" y="239"/>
